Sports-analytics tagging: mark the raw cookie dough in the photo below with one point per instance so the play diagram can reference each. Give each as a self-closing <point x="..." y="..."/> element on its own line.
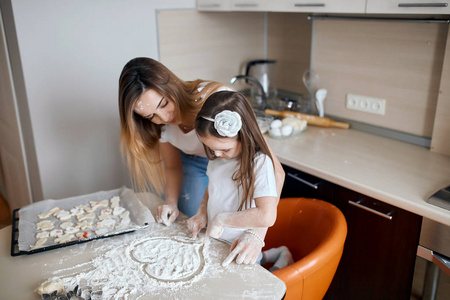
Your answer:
<point x="88" y="216"/>
<point x="85" y="208"/>
<point x="77" y="211"/>
<point x="118" y="210"/>
<point x="95" y="205"/>
<point x="64" y="238"/>
<point x="39" y="243"/>
<point x="101" y="231"/>
<point x="104" y="214"/>
<point x="66" y="225"/>
<point x="71" y="230"/>
<point x="82" y="235"/>
<point x="63" y="215"/>
<point x="115" y="201"/>
<point x="50" y="287"/>
<point x="106" y="223"/>
<point x="43" y="234"/>
<point x="84" y="225"/>
<point x="49" y="213"/>
<point x="45" y="225"/>
<point x="56" y="233"/>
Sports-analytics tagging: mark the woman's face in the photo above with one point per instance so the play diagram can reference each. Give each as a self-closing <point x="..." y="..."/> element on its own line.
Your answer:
<point x="153" y="106"/>
<point x="227" y="148"/>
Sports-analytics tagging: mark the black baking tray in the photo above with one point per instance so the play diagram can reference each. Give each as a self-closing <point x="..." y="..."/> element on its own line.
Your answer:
<point x="15" y="238"/>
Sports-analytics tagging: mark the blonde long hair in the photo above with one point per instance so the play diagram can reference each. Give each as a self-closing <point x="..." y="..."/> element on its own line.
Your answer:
<point x="139" y="137"/>
<point x="251" y="139"/>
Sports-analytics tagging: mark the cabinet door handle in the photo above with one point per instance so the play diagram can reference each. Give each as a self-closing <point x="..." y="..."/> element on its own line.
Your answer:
<point x="246" y="5"/>
<point x="309" y="4"/>
<point x="212" y="5"/>
<point x="313" y="185"/>
<point x="423" y="4"/>
<point x="358" y="204"/>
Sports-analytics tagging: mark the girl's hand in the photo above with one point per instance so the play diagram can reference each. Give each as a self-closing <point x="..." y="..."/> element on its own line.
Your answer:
<point x="215" y="226"/>
<point x="197" y="223"/>
<point x="245" y="249"/>
<point x="167" y="214"/>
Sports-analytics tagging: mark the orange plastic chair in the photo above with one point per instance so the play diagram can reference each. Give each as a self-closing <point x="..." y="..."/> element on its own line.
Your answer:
<point x="315" y="232"/>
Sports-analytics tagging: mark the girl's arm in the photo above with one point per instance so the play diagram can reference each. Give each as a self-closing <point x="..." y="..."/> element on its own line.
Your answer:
<point x="173" y="170"/>
<point x="263" y="215"/>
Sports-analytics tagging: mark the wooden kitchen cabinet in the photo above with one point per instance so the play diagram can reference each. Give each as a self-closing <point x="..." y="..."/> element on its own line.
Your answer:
<point x="320" y="6"/>
<point x="301" y="184"/>
<point x="380" y="249"/>
<point x="408" y="7"/>
<point x="379" y="252"/>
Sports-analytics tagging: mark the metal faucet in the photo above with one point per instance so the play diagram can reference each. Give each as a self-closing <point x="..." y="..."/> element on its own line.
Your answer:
<point x="264" y="96"/>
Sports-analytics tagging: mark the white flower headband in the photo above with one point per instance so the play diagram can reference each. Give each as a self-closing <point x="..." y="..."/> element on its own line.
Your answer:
<point x="227" y="123"/>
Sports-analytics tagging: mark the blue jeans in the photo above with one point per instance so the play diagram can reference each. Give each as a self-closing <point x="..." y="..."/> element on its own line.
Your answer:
<point x="194" y="185"/>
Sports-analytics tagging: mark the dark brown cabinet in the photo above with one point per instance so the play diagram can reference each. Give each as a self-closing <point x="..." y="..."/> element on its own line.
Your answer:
<point x="380" y="249"/>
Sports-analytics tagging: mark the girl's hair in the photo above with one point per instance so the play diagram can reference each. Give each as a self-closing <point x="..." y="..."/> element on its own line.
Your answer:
<point x="250" y="137"/>
<point x="139" y="137"/>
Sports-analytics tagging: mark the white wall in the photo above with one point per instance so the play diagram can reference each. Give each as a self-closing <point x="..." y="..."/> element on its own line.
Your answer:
<point x="72" y="53"/>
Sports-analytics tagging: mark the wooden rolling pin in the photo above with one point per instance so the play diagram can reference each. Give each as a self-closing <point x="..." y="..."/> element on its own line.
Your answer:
<point x="310" y="119"/>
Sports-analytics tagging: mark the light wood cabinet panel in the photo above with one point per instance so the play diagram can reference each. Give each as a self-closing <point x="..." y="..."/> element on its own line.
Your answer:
<point x="325" y="6"/>
<point x="408" y="6"/>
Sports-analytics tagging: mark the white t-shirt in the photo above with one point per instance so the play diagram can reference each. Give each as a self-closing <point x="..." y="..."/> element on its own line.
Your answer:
<point x="186" y="142"/>
<point x="224" y="196"/>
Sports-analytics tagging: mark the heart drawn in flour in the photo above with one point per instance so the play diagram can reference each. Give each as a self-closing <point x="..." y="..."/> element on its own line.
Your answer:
<point x="169" y="258"/>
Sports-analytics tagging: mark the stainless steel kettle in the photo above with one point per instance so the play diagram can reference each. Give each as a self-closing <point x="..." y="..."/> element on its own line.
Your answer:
<point x="264" y="71"/>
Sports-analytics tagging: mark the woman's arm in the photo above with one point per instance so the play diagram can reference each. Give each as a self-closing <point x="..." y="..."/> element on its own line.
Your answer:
<point x="279" y="172"/>
<point x="173" y="170"/>
<point x="200" y="219"/>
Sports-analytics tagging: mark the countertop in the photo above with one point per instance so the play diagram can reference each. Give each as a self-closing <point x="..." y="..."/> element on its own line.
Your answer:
<point x="20" y="276"/>
<point x="394" y="172"/>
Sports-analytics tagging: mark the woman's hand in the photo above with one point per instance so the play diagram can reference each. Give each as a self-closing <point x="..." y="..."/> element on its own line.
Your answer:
<point x="245" y="249"/>
<point x="167" y="214"/>
<point x="197" y="223"/>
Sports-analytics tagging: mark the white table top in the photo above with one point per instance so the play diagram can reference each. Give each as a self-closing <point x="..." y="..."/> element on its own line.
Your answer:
<point x="391" y="171"/>
<point x="20" y="276"/>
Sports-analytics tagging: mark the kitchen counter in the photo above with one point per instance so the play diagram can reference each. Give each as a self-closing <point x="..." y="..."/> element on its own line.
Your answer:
<point x="20" y="276"/>
<point x="391" y="171"/>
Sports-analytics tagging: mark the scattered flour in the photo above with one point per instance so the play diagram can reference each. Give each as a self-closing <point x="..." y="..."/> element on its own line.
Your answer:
<point x="145" y="266"/>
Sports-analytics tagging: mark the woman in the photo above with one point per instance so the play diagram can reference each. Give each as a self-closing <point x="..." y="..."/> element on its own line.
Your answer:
<point x="157" y="114"/>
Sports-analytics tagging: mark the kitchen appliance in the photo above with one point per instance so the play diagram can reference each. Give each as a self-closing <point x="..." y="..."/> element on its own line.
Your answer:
<point x="434" y="246"/>
<point x="260" y="103"/>
<point x="264" y="71"/>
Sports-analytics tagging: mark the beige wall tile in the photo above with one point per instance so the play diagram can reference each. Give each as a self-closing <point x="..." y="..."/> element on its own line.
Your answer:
<point x="397" y="61"/>
<point x="289" y="42"/>
<point x="440" y="141"/>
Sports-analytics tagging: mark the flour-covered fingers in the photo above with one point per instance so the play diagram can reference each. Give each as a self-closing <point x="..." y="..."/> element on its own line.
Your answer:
<point x="231" y="256"/>
<point x="167" y="214"/>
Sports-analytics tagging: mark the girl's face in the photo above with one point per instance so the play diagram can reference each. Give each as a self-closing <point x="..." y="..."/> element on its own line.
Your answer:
<point x="158" y="109"/>
<point x="227" y="148"/>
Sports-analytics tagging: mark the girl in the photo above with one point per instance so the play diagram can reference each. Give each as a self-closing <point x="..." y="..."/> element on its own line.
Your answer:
<point x="157" y="113"/>
<point x="241" y="198"/>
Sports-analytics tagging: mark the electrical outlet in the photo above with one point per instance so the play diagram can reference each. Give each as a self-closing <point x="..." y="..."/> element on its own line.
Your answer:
<point x="366" y="104"/>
